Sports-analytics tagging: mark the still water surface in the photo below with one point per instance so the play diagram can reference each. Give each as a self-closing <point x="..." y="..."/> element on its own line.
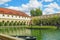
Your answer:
<point x="41" y="34"/>
<point x="46" y="34"/>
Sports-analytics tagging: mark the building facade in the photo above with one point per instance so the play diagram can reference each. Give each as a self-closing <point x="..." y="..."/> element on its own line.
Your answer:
<point x="8" y="15"/>
<point x="49" y="16"/>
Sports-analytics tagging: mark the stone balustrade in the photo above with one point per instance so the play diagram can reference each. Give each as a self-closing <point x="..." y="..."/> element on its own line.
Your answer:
<point x="6" y="37"/>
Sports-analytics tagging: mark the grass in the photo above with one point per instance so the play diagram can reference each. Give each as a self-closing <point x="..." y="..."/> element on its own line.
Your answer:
<point x="43" y="27"/>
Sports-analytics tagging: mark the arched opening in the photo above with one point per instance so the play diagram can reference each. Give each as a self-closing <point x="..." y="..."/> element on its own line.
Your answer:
<point x="18" y="23"/>
<point x="26" y="22"/>
<point x="11" y="23"/>
<point x="22" y="23"/>
<point x="3" y="22"/>
<point x="7" y="23"/>
<point x="15" y="23"/>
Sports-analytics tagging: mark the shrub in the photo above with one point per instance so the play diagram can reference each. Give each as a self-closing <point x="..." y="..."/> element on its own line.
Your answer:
<point x="47" y="21"/>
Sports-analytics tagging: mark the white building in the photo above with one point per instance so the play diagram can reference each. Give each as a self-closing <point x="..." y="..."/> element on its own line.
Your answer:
<point x="8" y="15"/>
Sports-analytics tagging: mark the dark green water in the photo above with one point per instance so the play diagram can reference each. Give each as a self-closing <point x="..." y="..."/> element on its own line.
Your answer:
<point x="46" y="34"/>
<point x="41" y="34"/>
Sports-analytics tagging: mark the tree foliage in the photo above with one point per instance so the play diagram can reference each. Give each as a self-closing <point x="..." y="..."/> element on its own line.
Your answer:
<point x="36" y="12"/>
<point x="48" y="21"/>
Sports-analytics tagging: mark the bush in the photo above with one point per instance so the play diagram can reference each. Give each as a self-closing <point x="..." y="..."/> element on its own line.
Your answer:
<point x="48" y="21"/>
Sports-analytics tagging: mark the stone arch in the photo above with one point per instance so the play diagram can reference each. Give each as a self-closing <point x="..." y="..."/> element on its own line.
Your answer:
<point x="11" y="23"/>
<point x="8" y="23"/>
<point x="22" y="22"/>
<point x="14" y="23"/>
<point x="3" y="22"/>
<point x="26" y="22"/>
<point x="19" y="21"/>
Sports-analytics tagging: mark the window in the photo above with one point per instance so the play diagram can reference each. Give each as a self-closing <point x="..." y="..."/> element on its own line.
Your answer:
<point x="15" y="21"/>
<point x="19" y="21"/>
<point x="7" y="21"/>
<point x="11" y="21"/>
<point x="7" y="15"/>
<point x="19" y="16"/>
<point x="3" y="14"/>
<point x="22" y="16"/>
<point x="16" y="16"/>
<point x="12" y="15"/>
<point x="3" y="21"/>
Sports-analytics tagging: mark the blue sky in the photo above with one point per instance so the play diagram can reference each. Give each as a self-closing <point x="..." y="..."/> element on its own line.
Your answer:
<point x="47" y="6"/>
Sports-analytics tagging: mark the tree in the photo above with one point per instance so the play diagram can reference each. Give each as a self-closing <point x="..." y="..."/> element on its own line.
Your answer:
<point x="32" y="12"/>
<point x="36" y="12"/>
<point x="35" y="21"/>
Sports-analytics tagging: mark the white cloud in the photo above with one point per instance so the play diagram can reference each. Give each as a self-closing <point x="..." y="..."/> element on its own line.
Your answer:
<point x="34" y="4"/>
<point x="54" y="5"/>
<point x="27" y="7"/>
<point x="48" y="11"/>
<point x="4" y="1"/>
<point x="51" y="8"/>
<point x="14" y="8"/>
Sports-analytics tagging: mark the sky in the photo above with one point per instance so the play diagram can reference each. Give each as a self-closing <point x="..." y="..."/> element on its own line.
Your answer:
<point x="47" y="6"/>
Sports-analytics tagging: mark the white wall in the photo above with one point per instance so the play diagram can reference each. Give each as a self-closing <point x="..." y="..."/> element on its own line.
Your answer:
<point x="14" y="17"/>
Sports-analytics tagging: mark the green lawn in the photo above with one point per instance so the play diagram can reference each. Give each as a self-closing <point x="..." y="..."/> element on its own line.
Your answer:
<point x="43" y="27"/>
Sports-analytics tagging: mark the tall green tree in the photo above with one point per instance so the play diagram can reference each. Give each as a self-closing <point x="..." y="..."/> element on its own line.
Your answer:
<point x="36" y="12"/>
<point x="32" y="12"/>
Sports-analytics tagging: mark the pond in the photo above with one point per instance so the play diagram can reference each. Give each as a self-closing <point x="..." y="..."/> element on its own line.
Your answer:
<point x="40" y="34"/>
<point x="46" y="34"/>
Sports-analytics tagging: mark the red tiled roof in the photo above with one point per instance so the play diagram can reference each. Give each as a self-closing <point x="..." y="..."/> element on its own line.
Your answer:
<point x="12" y="12"/>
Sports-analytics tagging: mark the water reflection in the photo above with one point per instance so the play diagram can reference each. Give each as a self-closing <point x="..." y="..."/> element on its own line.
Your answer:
<point x="40" y="34"/>
<point x="51" y="34"/>
<point x="46" y="34"/>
